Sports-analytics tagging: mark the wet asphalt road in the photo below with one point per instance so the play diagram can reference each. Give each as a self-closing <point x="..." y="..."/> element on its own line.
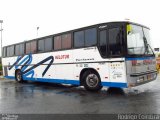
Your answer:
<point x="46" y="98"/>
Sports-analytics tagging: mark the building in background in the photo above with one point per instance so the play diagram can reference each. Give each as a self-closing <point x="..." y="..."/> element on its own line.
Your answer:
<point x="157" y="53"/>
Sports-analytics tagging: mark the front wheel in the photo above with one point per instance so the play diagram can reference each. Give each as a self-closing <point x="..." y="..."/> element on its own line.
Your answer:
<point x="18" y="76"/>
<point x="91" y="81"/>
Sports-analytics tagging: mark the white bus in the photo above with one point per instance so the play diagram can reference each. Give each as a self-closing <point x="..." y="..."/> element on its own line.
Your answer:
<point x="113" y="54"/>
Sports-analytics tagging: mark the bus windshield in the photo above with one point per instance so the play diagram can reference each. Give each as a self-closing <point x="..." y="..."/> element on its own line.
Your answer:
<point x="138" y="40"/>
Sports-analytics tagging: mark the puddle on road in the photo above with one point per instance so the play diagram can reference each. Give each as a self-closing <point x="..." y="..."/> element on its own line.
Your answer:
<point x="69" y="90"/>
<point x="77" y="99"/>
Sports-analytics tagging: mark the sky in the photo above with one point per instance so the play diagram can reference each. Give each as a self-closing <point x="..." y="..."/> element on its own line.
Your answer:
<point x="22" y="17"/>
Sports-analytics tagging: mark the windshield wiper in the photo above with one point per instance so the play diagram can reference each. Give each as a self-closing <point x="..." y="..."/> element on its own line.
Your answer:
<point x="150" y="48"/>
<point x="147" y="46"/>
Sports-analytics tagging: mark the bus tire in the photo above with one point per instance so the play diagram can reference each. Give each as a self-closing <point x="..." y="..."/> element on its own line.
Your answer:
<point x="91" y="81"/>
<point x="18" y="76"/>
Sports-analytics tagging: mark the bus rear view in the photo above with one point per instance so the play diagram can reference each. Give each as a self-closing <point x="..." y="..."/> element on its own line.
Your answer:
<point x="140" y="60"/>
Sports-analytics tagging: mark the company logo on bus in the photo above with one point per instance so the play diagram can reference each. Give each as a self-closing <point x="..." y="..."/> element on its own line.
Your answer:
<point x="62" y="56"/>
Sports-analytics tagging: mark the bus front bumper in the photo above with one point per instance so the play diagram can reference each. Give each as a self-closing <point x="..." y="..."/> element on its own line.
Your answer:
<point x="141" y="78"/>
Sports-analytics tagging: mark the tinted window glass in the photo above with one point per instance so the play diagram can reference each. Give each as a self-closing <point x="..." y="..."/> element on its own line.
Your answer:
<point x="11" y="50"/>
<point x="115" y="41"/>
<point x="135" y="40"/>
<point x="40" y="45"/>
<point x="57" y="43"/>
<point x="17" y="51"/>
<point x="103" y="46"/>
<point x="4" y="52"/>
<point x="66" y="41"/>
<point x="27" y="48"/>
<point x="48" y="44"/>
<point x="79" y="39"/>
<point x="33" y="46"/>
<point x="8" y="51"/>
<point x="90" y="37"/>
<point x="21" y="49"/>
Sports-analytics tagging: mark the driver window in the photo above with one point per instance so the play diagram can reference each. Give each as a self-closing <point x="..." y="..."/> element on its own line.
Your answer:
<point x="115" y="41"/>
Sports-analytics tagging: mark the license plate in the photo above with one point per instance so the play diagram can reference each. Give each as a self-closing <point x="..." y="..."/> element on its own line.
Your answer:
<point x="148" y="77"/>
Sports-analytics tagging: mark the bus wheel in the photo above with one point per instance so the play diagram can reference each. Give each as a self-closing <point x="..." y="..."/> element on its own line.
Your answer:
<point x="91" y="81"/>
<point x="19" y="76"/>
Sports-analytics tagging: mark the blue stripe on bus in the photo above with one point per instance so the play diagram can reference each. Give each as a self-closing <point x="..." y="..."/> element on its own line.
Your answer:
<point x="115" y="84"/>
<point x="9" y="77"/>
<point x="73" y="82"/>
<point x="143" y="58"/>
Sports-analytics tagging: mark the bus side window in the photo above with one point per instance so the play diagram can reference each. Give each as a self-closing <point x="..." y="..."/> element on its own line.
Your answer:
<point x="103" y="42"/>
<point x="17" y="51"/>
<point x="41" y="45"/>
<point x="27" y="47"/>
<point x="57" y="43"/>
<point x="66" y="41"/>
<point x="8" y="51"/>
<point x="31" y="47"/>
<point x="115" y="41"/>
<point x="12" y="50"/>
<point x="48" y="44"/>
<point x="90" y="37"/>
<point x="79" y="39"/>
<point x="21" y="49"/>
<point x="4" y="52"/>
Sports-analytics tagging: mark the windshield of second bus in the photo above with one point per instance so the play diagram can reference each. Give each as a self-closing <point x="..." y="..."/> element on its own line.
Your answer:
<point x="138" y="40"/>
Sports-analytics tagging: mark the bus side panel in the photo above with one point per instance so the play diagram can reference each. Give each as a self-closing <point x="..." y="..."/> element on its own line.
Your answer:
<point x="117" y="73"/>
<point x="66" y="66"/>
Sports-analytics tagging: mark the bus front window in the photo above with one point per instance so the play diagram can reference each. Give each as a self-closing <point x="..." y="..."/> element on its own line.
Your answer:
<point x="147" y="38"/>
<point x="138" y="40"/>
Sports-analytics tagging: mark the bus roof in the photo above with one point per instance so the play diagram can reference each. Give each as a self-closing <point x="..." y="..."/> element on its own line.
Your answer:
<point x="95" y="25"/>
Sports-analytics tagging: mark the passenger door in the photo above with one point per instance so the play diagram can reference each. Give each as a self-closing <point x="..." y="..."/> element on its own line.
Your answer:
<point x="111" y="48"/>
<point x="111" y="41"/>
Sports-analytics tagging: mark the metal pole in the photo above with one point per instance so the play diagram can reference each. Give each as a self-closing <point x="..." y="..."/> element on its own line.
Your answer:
<point x="37" y="31"/>
<point x="1" y="21"/>
<point x="1" y="38"/>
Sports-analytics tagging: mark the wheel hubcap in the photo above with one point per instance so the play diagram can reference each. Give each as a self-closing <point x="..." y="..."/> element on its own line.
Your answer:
<point x="92" y="80"/>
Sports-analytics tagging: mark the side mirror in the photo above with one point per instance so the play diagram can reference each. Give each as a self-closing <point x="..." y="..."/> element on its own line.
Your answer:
<point x="129" y="29"/>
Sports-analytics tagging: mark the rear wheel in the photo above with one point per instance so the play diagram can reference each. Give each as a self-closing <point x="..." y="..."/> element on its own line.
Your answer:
<point x="91" y="81"/>
<point x="19" y="76"/>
